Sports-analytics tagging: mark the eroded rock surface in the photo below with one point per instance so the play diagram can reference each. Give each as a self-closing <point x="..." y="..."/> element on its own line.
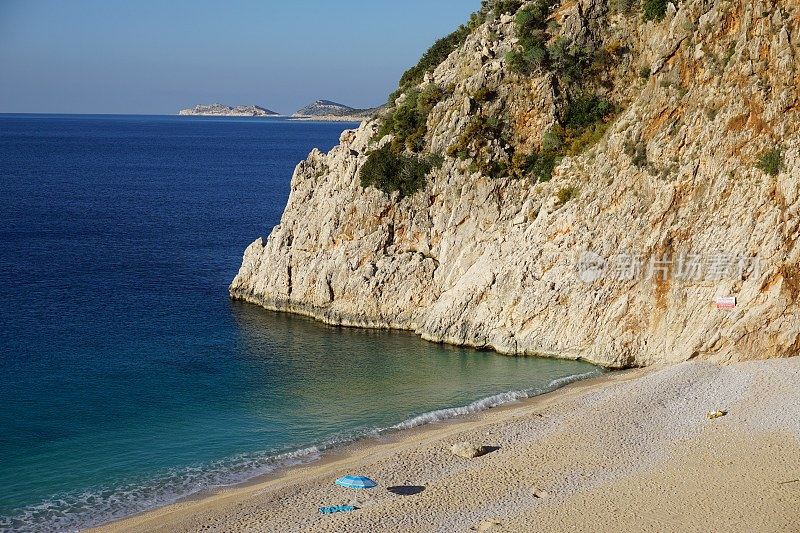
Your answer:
<point x="496" y="262"/>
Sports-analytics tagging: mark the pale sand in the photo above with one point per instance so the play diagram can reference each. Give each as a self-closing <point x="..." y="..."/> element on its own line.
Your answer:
<point x="630" y="451"/>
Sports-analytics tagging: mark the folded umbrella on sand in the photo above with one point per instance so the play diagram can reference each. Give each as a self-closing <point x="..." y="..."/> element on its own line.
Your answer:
<point x="333" y="509"/>
<point x="356" y="482"/>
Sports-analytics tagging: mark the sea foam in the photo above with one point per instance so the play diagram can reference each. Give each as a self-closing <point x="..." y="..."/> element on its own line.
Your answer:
<point x="78" y="510"/>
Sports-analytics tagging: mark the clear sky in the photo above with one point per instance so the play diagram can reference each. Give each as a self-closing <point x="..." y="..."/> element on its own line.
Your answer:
<point x="148" y="56"/>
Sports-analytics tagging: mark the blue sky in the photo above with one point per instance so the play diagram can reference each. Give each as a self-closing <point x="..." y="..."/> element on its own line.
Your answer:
<point x="144" y="56"/>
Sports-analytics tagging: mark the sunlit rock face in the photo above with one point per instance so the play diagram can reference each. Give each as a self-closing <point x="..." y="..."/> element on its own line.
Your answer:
<point x="618" y="259"/>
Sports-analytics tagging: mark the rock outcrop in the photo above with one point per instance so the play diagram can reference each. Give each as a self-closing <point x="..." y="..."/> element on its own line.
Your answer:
<point x="220" y="110"/>
<point x="620" y="257"/>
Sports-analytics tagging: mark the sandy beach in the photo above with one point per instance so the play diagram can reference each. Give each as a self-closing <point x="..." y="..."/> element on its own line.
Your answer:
<point x="631" y="451"/>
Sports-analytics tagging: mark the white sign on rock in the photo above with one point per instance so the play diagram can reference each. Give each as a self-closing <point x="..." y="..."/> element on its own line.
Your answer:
<point x="726" y="302"/>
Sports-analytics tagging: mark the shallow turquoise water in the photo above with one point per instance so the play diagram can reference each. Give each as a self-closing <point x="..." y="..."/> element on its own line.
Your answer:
<point x="128" y="379"/>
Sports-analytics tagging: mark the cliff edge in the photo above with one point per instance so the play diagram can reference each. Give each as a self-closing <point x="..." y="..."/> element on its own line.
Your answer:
<point x="583" y="179"/>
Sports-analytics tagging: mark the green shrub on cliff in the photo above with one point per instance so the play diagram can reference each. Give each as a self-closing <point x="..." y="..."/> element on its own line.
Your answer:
<point x="484" y="95"/>
<point x="637" y="151"/>
<point x="500" y="7"/>
<point x="771" y="162"/>
<point x="654" y="9"/>
<point x="582" y="124"/>
<point x="408" y="121"/>
<point x="395" y="166"/>
<point x="565" y="195"/>
<point x="586" y="109"/>
<point x="432" y="58"/>
<point x="389" y="171"/>
<point x="531" y="31"/>
<point x="541" y="164"/>
<point x="478" y="133"/>
<point x="570" y="62"/>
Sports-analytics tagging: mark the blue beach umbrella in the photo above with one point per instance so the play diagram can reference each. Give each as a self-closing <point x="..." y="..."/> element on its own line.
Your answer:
<point x="356" y="482"/>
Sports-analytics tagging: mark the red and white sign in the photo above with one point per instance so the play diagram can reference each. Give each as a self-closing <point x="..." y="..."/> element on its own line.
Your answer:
<point x="726" y="302"/>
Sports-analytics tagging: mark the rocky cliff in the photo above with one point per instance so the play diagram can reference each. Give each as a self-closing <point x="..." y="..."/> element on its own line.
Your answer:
<point x="687" y="190"/>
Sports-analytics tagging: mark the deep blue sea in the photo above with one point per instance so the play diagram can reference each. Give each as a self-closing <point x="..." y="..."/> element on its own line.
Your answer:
<point x="128" y="379"/>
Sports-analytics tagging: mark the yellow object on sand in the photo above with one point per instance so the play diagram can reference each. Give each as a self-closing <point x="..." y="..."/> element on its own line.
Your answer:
<point x="716" y="414"/>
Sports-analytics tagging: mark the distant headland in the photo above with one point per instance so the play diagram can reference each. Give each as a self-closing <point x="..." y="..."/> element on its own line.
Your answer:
<point x="319" y="110"/>
<point x="328" y="110"/>
<point x="220" y="110"/>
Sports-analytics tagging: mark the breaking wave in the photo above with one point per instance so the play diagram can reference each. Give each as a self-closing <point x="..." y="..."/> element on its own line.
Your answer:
<point x="489" y="402"/>
<point x="78" y="510"/>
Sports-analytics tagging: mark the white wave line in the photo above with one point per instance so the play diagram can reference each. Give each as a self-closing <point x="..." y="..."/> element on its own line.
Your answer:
<point x="488" y="402"/>
<point x="53" y="515"/>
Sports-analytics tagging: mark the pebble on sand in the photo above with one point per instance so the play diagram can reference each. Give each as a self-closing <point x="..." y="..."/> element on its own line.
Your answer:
<point x="540" y="493"/>
<point x="467" y="450"/>
<point x="488" y="525"/>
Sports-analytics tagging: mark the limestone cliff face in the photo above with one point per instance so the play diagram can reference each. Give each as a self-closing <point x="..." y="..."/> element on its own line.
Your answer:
<point x="500" y="263"/>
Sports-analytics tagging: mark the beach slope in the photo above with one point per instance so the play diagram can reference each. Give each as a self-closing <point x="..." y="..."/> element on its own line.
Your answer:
<point x="626" y="451"/>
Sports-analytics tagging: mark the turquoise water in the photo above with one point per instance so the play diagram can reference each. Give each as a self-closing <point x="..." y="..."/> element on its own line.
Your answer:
<point x="129" y="379"/>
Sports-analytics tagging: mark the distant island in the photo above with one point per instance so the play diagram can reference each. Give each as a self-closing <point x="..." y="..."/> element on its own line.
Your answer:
<point x="319" y="110"/>
<point x="328" y="110"/>
<point x="220" y="110"/>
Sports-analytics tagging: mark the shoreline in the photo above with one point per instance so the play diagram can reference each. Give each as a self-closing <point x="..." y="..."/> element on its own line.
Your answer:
<point x="327" y="452"/>
<point x="338" y="320"/>
<point x="640" y="428"/>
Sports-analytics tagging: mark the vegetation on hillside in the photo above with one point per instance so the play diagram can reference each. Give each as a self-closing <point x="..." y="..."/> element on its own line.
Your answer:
<point x="407" y="121"/>
<point x="650" y="9"/>
<point x="579" y="76"/>
<point x="771" y="162"/>
<point x="583" y="123"/>
<point x="436" y="54"/>
<point x="637" y="151"/>
<point x="532" y="32"/>
<point x="407" y="117"/>
<point x="403" y="168"/>
<point x="399" y="165"/>
<point x="431" y="59"/>
<point x="495" y="8"/>
<point x="539" y="50"/>
<point x="390" y="171"/>
<point x="566" y="194"/>
<point x="582" y="116"/>
<point x="654" y="9"/>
